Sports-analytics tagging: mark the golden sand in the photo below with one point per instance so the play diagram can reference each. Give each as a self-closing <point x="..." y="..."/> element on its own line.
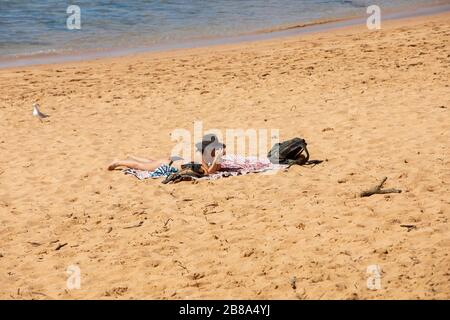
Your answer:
<point x="373" y="103"/>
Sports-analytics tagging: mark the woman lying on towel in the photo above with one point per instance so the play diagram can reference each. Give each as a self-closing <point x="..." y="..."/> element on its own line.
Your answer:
<point x="210" y="147"/>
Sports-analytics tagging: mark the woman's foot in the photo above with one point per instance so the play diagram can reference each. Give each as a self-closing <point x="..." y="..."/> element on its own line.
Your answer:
<point x="113" y="165"/>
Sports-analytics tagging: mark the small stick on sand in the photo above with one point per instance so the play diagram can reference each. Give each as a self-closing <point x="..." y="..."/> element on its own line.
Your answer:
<point x="167" y="221"/>
<point x="181" y="265"/>
<point x="377" y="190"/>
<point x="409" y="226"/>
<point x="61" y="245"/>
<point x="135" y="225"/>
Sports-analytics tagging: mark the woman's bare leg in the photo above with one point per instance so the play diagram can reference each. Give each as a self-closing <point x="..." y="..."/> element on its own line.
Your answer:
<point x="150" y="166"/>
<point x="139" y="159"/>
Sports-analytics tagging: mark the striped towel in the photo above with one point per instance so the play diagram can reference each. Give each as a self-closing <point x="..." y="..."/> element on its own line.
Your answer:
<point x="162" y="171"/>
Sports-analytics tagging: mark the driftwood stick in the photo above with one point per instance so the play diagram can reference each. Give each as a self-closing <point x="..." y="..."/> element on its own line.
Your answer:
<point x="381" y="184"/>
<point x="378" y="190"/>
<point x="384" y="191"/>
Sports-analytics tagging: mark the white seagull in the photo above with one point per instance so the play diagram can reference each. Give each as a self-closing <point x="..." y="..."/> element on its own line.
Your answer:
<point x="37" y="113"/>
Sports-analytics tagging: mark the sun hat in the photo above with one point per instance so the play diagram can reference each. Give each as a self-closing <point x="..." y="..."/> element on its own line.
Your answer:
<point x="207" y="140"/>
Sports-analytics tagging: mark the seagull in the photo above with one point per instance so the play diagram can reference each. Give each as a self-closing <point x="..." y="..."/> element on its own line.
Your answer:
<point x="37" y="113"/>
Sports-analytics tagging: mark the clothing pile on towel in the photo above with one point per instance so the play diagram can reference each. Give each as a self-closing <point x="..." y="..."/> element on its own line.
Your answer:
<point x="231" y="165"/>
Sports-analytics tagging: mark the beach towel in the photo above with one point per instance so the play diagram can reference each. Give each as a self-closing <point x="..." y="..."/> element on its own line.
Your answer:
<point x="239" y="165"/>
<point x="231" y="165"/>
<point x="162" y="171"/>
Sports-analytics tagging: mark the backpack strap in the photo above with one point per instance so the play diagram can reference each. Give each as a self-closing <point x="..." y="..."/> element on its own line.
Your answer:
<point x="299" y="159"/>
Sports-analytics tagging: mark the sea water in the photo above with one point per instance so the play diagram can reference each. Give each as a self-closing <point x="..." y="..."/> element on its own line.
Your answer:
<point x="36" y="27"/>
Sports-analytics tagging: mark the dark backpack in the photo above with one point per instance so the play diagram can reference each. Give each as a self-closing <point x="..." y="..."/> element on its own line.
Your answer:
<point x="289" y="152"/>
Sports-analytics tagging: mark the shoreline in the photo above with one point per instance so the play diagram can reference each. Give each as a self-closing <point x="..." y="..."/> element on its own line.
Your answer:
<point x="262" y="35"/>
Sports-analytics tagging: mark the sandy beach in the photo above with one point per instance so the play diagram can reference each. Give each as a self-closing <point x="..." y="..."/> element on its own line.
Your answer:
<point x="372" y="104"/>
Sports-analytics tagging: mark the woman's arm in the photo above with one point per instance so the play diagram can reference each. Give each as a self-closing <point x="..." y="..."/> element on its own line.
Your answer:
<point x="215" y="165"/>
<point x="213" y="168"/>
